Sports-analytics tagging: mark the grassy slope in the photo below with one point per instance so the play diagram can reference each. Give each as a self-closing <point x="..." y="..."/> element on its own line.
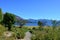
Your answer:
<point x="19" y="30"/>
<point x="47" y="33"/>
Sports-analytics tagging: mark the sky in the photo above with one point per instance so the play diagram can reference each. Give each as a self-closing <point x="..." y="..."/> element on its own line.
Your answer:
<point x="32" y="9"/>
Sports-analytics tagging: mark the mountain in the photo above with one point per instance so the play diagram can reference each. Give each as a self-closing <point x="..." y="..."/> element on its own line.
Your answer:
<point x="18" y="18"/>
<point x="33" y="22"/>
<point x="48" y="22"/>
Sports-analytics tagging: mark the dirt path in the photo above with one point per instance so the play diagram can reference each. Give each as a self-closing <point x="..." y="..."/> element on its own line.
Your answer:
<point x="27" y="36"/>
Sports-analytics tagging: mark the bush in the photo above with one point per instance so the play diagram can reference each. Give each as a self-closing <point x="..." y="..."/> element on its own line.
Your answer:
<point x="33" y="28"/>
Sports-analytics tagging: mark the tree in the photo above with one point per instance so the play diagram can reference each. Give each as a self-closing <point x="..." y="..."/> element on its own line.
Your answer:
<point x="1" y="15"/>
<point x="40" y="24"/>
<point x="54" y="23"/>
<point x="8" y="20"/>
<point x="21" y="22"/>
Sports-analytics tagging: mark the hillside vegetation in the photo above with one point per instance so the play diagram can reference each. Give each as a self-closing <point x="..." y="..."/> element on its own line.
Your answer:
<point x="47" y="33"/>
<point x="8" y="31"/>
<point x="14" y="32"/>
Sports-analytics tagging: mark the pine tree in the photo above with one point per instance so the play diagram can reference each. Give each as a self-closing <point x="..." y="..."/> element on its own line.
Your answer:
<point x="8" y="20"/>
<point x="1" y="15"/>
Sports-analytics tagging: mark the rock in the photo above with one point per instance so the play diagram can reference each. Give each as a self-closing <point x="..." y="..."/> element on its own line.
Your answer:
<point x="7" y="34"/>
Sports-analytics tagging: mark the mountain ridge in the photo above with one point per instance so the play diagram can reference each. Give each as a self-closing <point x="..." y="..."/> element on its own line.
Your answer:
<point x="34" y="22"/>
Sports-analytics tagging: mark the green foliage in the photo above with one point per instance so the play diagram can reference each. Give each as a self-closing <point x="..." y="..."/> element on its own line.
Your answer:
<point x="19" y="32"/>
<point x="8" y="20"/>
<point x="40" y="23"/>
<point x="21" y="22"/>
<point x="47" y="34"/>
<point x="1" y="15"/>
<point x="34" y="28"/>
<point x="54" y="23"/>
<point x="18" y="35"/>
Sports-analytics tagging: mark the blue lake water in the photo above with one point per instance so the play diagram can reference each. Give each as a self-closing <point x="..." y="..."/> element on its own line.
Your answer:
<point x="31" y="24"/>
<point x="27" y="24"/>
